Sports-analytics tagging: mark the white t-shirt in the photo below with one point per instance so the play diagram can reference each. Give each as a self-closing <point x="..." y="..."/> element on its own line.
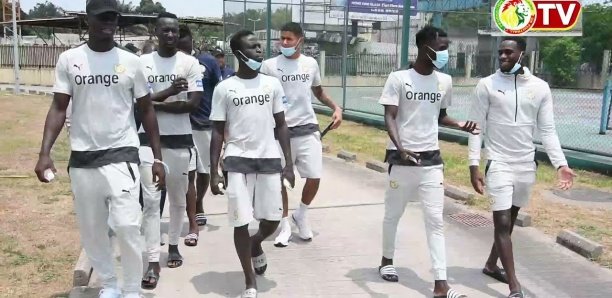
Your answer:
<point x="103" y="87"/>
<point x="160" y="72"/>
<point x="249" y="107"/>
<point x="419" y="99"/>
<point x="297" y="77"/>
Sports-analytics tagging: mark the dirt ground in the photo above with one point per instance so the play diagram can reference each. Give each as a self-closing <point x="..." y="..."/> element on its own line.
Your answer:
<point x="39" y="242"/>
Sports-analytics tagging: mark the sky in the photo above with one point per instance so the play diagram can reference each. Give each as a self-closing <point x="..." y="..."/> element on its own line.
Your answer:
<point x="183" y="8"/>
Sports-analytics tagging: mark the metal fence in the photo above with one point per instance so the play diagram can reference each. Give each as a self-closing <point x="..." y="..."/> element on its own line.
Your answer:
<point x="31" y="56"/>
<point x="354" y="74"/>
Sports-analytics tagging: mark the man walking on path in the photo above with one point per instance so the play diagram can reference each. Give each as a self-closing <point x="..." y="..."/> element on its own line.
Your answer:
<point x="102" y="82"/>
<point x="252" y="106"/>
<point x="301" y="78"/>
<point x="415" y="102"/>
<point x="510" y="105"/>
<point x="175" y="82"/>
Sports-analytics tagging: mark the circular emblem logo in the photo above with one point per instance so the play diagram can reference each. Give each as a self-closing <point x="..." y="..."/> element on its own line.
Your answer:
<point x="393" y="184"/>
<point x="119" y="68"/>
<point x="514" y="17"/>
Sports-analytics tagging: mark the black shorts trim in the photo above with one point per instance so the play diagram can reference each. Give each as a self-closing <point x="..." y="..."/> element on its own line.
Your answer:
<point x="428" y="159"/>
<point x="252" y="165"/>
<point x="169" y="141"/>
<point x="100" y="158"/>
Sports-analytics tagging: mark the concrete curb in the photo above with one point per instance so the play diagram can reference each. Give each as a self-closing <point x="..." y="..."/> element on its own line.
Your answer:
<point x="377" y="166"/>
<point x="580" y="245"/>
<point x="348" y="156"/>
<point x="326" y="149"/>
<point x="82" y="271"/>
<point x="523" y="220"/>
<point x="457" y="193"/>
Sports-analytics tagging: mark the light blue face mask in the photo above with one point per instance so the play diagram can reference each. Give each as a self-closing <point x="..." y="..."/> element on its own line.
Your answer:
<point x="516" y="66"/>
<point x="441" y="58"/>
<point x="288" y="52"/>
<point x="252" y="64"/>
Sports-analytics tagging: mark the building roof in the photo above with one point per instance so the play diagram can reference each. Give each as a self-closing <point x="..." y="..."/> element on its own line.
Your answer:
<point x="76" y="21"/>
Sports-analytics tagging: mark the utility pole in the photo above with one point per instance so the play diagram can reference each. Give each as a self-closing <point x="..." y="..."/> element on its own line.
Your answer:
<point x="15" y="49"/>
<point x="406" y="33"/>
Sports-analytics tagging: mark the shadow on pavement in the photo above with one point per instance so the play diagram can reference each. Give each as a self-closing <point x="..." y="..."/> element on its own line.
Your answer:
<point x="227" y="284"/>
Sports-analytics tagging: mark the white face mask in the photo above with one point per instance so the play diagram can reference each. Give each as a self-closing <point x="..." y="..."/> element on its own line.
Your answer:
<point x="516" y="66"/>
<point x="288" y="52"/>
<point x="441" y="58"/>
<point x="252" y="64"/>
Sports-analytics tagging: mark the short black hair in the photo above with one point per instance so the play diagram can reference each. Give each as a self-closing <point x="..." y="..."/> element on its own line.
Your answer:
<point x="520" y="41"/>
<point x="236" y="41"/>
<point x="184" y="31"/>
<point x="429" y="33"/>
<point x="294" y="28"/>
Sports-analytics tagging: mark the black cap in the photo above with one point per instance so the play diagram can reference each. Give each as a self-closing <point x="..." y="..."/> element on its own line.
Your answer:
<point x="218" y="52"/>
<point x="96" y="7"/>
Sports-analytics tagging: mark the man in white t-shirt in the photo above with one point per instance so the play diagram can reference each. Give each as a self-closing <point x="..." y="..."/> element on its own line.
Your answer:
<point x="175" y="82"/>
<point x="252" y="106"/>
<point x="102" y="82"/>
<point x="510" y="106"/>
<point x="301" y="78"/>
<point x="415" y="102"/>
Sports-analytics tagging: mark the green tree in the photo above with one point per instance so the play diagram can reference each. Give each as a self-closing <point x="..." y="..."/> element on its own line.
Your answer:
<point x="596" y="33"/>
<point x="126" y="7"/>
<point x="45" y="10"/>
<point x="148" y="7"/>
<point x="561" y="59"/>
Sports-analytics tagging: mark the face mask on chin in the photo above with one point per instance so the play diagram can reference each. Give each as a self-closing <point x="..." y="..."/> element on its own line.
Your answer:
<point x="516" y="66"/>
<point x="252" y="64"/>
<point x="290" y="51"/>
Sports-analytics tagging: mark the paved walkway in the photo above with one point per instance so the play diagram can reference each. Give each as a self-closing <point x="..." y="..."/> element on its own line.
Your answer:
<point x="342" y="259"/>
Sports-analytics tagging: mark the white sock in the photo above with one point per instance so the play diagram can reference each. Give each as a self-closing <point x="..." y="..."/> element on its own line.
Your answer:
<point x="301" y="211"/>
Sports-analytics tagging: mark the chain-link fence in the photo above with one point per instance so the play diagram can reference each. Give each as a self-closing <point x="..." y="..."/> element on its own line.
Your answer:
<point x="354" y="76"/>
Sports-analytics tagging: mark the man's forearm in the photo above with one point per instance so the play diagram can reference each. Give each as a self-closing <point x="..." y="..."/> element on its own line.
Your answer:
<point x="161" y="96"/>
<point x="283" y="138"/>
<point x="216" y="144"/>
<point x="175" y="107"/>
<point x="393" y="133"/>
<point x="53" y="126"/>
<point x="448" y="121"/>
<point x="149" y="123"/>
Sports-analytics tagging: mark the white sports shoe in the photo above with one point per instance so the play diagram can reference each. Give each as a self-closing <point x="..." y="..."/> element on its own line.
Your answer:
<point x="132" y="295"/>
<point x="109" y="293"/>
<point x="282" y="240"/>
<point x="303" y="226"/>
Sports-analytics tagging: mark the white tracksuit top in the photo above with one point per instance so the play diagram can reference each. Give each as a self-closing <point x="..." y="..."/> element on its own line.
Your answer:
<point x="509" y="109"/>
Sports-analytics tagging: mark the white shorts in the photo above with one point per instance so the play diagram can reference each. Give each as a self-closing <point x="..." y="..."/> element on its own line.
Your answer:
<point x="509" y="184"/>
<point x="253" y="196"/>
<point x="194" y="163"/>
<point x="202" y="138"/>
<point x="307" y="155"/>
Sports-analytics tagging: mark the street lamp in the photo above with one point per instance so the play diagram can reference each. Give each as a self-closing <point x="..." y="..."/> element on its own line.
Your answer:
<point x="254" y="22"/>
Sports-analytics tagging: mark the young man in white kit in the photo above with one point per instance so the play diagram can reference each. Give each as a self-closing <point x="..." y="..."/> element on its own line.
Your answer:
<point x="175" y="81"/>
<point x="415" y="102"/>
<point x="300" y="78"/>
<point x="102" y="82"/>
<point x="252" y="103"/>
<point x="510" y="106"/>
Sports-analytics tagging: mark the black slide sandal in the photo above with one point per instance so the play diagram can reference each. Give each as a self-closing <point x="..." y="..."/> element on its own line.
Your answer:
<point x="175" y="260"/>
<point x="146" y="280"/>
<point x="499" y="275"/>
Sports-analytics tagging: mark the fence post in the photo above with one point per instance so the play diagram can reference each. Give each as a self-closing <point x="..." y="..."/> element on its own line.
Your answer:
<point x="468" y="65"/>
<point x="605" y="107"/>
<point x="268" y="31"/>
<point x="605" y="66"/>
<point x="345" y="53"/>
<point x="405" y="33"/>
<point x="322" y="64"/>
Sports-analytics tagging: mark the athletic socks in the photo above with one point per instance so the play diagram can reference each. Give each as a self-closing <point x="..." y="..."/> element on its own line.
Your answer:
<point x="301" y="211"/>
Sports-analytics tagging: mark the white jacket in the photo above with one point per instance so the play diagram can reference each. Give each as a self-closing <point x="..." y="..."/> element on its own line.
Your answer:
<point x="509" y="109"/>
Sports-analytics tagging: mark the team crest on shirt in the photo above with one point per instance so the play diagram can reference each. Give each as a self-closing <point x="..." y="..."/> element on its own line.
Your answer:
<point x="440" y="87"/>
<point x="267" y="89"/>
<point x="393" y="184"/>
<point x="530" y="95"/>
<point x="119" y="68"/>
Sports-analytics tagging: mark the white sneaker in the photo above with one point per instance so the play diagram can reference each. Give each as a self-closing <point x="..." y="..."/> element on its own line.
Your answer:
<point x="109" y="293"/>
<point x="132" y="295"/>
<point x="282" y="240"/>
<point x="303" y="226"/>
